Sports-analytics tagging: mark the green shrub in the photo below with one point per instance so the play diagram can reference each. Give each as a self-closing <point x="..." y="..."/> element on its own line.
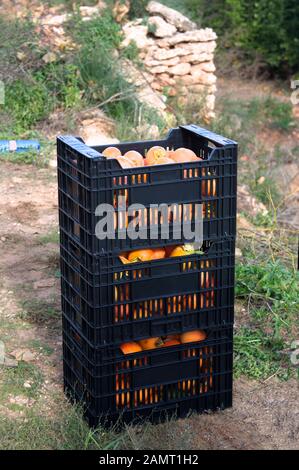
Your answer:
<point x="28" y="102"/>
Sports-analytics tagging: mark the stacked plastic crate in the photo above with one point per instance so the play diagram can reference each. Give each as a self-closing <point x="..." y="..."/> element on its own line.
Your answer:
<point x="106" y="304"/>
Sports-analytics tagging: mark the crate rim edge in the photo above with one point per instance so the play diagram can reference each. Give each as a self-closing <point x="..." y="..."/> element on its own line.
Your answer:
<point x="92" y="153"/>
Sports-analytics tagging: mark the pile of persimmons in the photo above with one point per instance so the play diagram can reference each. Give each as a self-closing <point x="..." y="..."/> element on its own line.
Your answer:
<point x="154" y="156"/>
<point x="151" y="254"/>
<point x="162" y="342"/>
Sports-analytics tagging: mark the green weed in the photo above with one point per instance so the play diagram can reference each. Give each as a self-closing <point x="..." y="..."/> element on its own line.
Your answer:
<point x="39" y="311"/>
<point x="50" y="237"/>
<point x="40" y="347"/>
<point x="13" y="380"/>
<point x="258" y="355"/>
<point x="67" y="430"/>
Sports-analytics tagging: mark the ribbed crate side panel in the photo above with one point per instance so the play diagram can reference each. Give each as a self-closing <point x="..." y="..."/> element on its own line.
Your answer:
<point x="187" y="377"/>
<point x="152" y="298"/>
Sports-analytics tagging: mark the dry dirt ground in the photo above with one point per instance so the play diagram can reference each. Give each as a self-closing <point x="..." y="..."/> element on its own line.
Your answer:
<point x="264" y="415"/>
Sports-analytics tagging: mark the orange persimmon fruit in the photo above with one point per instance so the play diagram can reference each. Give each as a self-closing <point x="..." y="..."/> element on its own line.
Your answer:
<point x="192" y="336"/>
<point x="154" y="153"/>
<point x="183" y="155"/>
<point x="178" y="251"/>
<point x="140" y="255"/>
<point x="130" y="347"/>
<point x="150" y="343"/>
<point x="111" y="152"/>
<point x="135" y="157"/>
<point x="158" y="253"/>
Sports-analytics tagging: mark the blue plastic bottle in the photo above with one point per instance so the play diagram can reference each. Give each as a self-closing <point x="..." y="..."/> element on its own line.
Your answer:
<point x="18" y="145"/>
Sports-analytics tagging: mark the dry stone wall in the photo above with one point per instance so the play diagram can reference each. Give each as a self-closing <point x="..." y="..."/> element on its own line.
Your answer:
<point x="178" y="57"/>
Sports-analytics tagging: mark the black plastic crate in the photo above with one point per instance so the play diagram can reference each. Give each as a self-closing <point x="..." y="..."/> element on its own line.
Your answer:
<point x="87" y="179"/>
<point x="176" y="379"/>
<point x="120" y="302"/>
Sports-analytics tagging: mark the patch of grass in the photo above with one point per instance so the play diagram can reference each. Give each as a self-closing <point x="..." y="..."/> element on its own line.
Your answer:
<point x="28" y="102"/>
<point x="53" y="264"/>
<point x="278" y="114"/>
<point x="19" y="52"/>
<point x="39" y="311"/>
<point x="13" y="380"/>
<point x="259" y="356"/>
<point x="40" y="347"/>
<point x="50" y="237"/>
<point x="270" y="281"/>
<point x="266" y="192"/>
<point x="271" y="290"/>
<point x="67" y="430"/>
<point x="263" y="220"/>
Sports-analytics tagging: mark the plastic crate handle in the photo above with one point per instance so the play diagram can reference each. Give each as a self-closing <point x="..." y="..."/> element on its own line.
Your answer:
<point x="209" y="135"/>
<point x="77" y="144"/>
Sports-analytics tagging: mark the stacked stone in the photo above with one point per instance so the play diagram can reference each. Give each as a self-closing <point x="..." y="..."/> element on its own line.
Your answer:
<point x="176" y="54"/>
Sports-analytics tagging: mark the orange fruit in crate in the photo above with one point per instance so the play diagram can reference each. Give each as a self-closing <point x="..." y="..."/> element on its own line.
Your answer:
<point x="183" y="155"/>
<point x="172" y="337"/>
<point x="177" y="251"/>
<point x="170" y="153"/>
<point x="140" y="255"/>
<point x="135" y="157"/>
<point x="154" y="153"/>
<point x="124" y="162"/>
<point x="158" y="253"/>
<point x="164" y="161"/>
<point x="170" y="342"/>
<point x="130" y="347"/>
<point x="192" y="336"/>
<point x="168" y="250"/>
<point x="111" y="152"/>
<point x="150" y="343"/>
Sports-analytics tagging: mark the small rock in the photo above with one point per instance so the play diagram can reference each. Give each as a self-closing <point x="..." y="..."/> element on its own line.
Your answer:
<point x="27" y="385"/>
<point x="49" y="57"/>
<point x="21" y="56"/>
<point x="44" y="283"/>
<point x="199" y="36"/>
<point x="136" y="33"/>
<point x="210" y="102"/>
<point x="167" y="63"/>
<point x="180" y="69"/>
<point x="3" y="239"/>
<point x="120" y="10"/>
<point x="56" y="20"/>
<point x="172" y="16"/>
<point x="9" y="362"/>
<point x="19" y="400"/>
<point x="160" y="27"/>
<point x="91" y="11"/>
<point x="53" y="163"/>
<point x="261" y="180"/>
<point x="202" y="77"/>
<point x="207" y="66"/>
<point x="238" y="253"/>
<point x="197" y="58"/>
<point x="248" y="204"/>
<point x="158" y="69"/>
<point x="165" y="79"/>
<point x="23" y="355"/>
